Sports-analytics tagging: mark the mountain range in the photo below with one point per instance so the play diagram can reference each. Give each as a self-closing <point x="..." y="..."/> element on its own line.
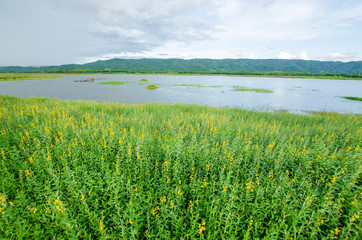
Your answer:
<point x="202" y="66"/>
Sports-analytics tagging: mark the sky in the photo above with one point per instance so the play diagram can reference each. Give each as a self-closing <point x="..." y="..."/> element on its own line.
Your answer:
<point x="54" y="32"/>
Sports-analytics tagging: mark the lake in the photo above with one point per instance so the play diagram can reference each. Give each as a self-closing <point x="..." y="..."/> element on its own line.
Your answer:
<point x="292" y="95"/>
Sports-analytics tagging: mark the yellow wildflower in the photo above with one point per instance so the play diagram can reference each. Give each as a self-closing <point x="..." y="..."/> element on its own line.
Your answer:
<point x="101" y="225"/>
<point x="354" y="218"/>
<point x="202" y="227"/>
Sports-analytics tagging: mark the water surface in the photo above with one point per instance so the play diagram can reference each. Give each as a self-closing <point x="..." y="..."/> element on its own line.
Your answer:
<point x="293" y="95"/>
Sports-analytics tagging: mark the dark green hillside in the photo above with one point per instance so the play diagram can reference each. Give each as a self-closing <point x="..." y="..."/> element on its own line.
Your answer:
<point x="202" y="66"/>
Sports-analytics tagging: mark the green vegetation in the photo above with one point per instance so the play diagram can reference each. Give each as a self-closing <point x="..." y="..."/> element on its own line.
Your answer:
<point x="72" y="170"/>
<point x="245" y="89"/>
<point x="113" y="83"/>
<point x="152" y="86"/>
<point x="20" y="77"/>
<point x="229" y="67"/>
<point x="354" y="98"/>
<point x="143" y="80"/>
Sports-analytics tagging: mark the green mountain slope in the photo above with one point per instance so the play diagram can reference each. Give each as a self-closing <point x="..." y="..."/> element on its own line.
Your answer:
<point x="204" y="65"/>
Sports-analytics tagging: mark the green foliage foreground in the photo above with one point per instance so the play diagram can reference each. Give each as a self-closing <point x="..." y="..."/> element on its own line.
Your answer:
<point x="101" y="170"/>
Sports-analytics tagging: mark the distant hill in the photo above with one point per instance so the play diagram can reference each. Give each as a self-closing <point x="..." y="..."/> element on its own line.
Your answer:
<point x="204" y="66"/>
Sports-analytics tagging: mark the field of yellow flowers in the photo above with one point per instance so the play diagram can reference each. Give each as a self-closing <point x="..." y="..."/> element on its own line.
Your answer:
<point x="149" y="171"/>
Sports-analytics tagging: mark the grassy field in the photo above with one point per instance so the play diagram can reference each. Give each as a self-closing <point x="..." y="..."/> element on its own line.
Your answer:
<point x="21" y="76"/>
<point x="149" y="171"/>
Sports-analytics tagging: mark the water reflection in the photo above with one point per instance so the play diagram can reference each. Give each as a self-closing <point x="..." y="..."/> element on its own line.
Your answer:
<point x="293" y="95"/>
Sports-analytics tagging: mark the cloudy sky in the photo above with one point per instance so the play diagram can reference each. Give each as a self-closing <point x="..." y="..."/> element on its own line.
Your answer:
<point x="52" y="32"/>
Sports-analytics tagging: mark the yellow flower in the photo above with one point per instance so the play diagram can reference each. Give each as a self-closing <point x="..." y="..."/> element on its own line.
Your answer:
<point x="82" y="198"/>
<point x="130" y="222"/>
<point x="101" y="225"/>
<point x="163" y="199"/>
<point x="202" y="227"/>
<point x="205" y="183"/>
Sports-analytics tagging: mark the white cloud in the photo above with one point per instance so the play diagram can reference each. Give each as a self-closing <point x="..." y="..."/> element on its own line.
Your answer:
<point x="347" y="57"/>
<point x="59" y="31"/>
<point x="304" y="55"/>
<point x="252" y="56"/>
<point x="286" y="55"/>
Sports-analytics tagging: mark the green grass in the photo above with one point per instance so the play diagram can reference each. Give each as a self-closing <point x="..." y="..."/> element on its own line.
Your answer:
<point x="245" y="89"/>
<point x="152" y="86"/>
<point x="87" y="170"/>
<point x="21" y="77"/>
<point x="354" y="98"/>
<point x="114" y="83"/>
<point x="143" y="80"/>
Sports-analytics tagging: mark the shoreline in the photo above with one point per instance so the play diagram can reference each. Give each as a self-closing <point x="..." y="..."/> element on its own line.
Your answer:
<point x="266" y="75"/>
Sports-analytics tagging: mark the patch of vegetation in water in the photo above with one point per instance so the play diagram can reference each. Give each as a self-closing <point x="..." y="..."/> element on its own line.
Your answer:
<point x="245" y="89"/>
<point x="353" y="98"/>
<point x="20" y="77"/>
<point x="143" y="80"/>
<point x="152" y="86"/>
<point x="113" y="83"/>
